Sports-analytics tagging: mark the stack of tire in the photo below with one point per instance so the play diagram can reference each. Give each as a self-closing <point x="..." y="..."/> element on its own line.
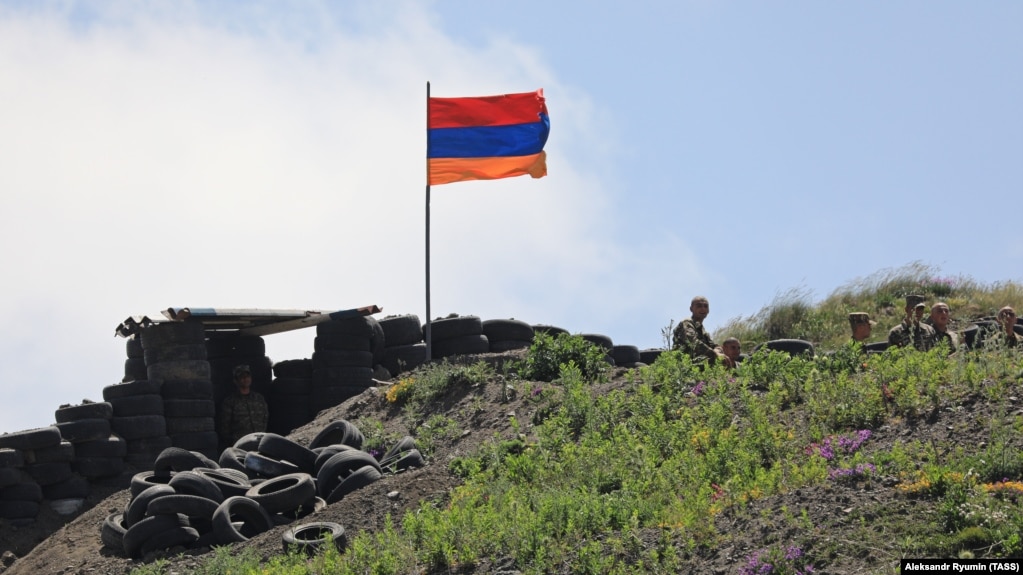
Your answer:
<point x="507" y="334"/>
<point x="227" y="350"/>
<point x="98" y="452"/>
<point x="551" y="330"/>
<point x="793" y="347"/>
<point x="26" y="457"/>
<point x="135" y="365"/>
<point x="604" y="342"/>
<point x="137" y="421"/>
<point x="458" y="335"/>
<point x="627" y="356"/>
<point x="175" y="354"/>
<point x="404" y="348"/>
<point x="342" y="365"/>
<point x="289" y="395"/>
<point x="649" y="356"/>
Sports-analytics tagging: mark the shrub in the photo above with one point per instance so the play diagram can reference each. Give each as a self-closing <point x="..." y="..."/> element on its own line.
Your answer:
<point x="547" y="355"/>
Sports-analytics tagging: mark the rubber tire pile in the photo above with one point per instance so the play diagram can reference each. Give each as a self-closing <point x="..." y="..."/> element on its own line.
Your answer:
<point x="404" y="348"/>
<point x="458" y="335"/>
<point x="225" y="351"/>
<point x="289" y="395"/>
<point x="35" y="466"/>
<point x="264" y="480"/>
<point x="342" y="365"/>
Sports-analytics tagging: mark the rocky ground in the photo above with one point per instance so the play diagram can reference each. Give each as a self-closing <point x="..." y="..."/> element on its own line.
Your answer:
<point x="834" y="515"/>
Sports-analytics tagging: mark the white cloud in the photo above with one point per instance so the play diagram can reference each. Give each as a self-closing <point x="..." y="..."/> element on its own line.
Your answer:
<point x="153" y="161"/>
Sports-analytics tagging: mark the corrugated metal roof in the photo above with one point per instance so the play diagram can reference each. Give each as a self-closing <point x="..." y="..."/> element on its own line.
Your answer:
<point x="245" y="321"/>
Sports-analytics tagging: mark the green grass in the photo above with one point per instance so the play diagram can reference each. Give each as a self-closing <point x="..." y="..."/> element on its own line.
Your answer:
<point x="632" y="480"/>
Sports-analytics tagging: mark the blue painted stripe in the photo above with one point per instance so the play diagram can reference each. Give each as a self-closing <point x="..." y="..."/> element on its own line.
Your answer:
<point x="489" y="141"/>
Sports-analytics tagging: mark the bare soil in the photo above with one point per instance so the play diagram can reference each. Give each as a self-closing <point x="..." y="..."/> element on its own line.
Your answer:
<point x="829" y="520"/>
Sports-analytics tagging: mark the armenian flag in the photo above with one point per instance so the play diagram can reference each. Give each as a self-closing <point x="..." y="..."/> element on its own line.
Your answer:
<point x="486" y="138"/>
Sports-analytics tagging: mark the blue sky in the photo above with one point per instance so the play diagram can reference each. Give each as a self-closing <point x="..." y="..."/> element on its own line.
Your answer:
<point x="270" y="154"/>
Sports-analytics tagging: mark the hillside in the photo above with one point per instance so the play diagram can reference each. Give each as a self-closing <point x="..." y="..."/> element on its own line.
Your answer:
<point x="857" y="524"/>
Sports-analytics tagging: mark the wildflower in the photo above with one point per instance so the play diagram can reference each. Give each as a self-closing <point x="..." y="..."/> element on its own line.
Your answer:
<point x="698" y="388"/>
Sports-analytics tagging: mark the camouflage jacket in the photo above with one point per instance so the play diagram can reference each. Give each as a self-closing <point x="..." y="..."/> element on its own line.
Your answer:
<point x="951" y="339"/>
<point x="241" y="415"/>
<point x="920" y="335"/>
<point x="693" y="339"/>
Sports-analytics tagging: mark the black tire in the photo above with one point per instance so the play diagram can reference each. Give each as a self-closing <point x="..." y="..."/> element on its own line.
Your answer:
<point x="358" y="326"/>
<point x="338" y="432"/>
<point x="401" y="330"/>
<point x="649" y="356"/>
<point x="230" y="481"/>
<point x="338" y="468"/>
<point x="187" y="389"/>
<point x="11" y="458"/>
<point x="31" y="438"/>
<point x="64" y="452"/>
<point x="18" y="509"/>
<point x="185" y="369"/>
<point x="136" y="509"/>
<point x="133" y="347"/>
<point x="508" y="345"/>
<point x="191" y="506"/>
<point x="598" y="339"/>
<point x="139" y="426"/>
<point x="309" y="538"/>
<point x="194" y="483"/>
<point x="28" y="490"/>
<point x="189" y="408"/>
<point x="461" y="345"/>
<point x="172" y="333"/>
<point x="112" y="532"/>
<point x="291" y="386"/>
<point x="49" y="473"/>
<point x="173" y="537"/>
<point x="253" y="518"/>
<point x="153" y="446"/>
<point x="184" y="425"/>
<point x="134" y="369"/>
<point x="507" y="329"/>
<point x="282" y="448"/>
<point x="99" y="467"/>
<point x="409" y="460"/>
<point x="12" y="476"/>
<point x="84" y="430"/>
<point x="187" y="352"/>
<point x="875" y="347"/>
<point x="294" y="368"/>
<point x="550" y="330"/>
<point x="285" y="493"/>
<point x="139" y="533"/>
<point x="404" y="445"/>
<point x="402" y="358"/>
<point x="177" y="459"/>
<point x="101" y="410"/>
<point x="377" y="343"/>
<point x="356" y="480"/>
<point x="349" y="342"/>
<point x="325" y="453"/>
<point x="268" y="467"/>
<point x="250" y="442"/>
<point x="342" y="358"/>
<point x="234" y="458"/>
<point x="149" y="404"/>
<point x="452" y="327"/>
<point x="625" y="354"/>
<point x="144" y="480"/>
<point x="337" y="376"/>
<point x="793" y="347"/>
<point x="74" y="487"/>
<point x="131" y="388"/>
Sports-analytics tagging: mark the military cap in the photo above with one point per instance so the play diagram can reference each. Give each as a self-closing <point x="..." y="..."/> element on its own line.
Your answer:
<point x="859" y="317"/>
<point x="241" y="369"/>
<point x="914" y="300"/>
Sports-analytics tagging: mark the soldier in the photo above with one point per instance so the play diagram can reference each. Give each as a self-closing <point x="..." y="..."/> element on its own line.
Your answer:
<point x="732" y="349"/>
<point x="693" y="339"/>
<point x="242" y="412"/>
<point x="861" y="325"/>
<point x="939" y="321"/>
<point x="911" y="330"/>
<point x="1007" y="318"/>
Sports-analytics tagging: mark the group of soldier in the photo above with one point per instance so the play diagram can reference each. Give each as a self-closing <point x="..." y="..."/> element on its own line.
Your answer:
<point x="923" y="333"/>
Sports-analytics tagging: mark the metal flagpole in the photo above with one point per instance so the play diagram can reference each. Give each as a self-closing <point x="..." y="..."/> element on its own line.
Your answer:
<point x="426" y="330"/>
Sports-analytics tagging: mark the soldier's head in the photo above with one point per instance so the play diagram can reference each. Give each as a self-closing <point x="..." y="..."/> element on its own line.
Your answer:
<point x="913" y="304"/>
<point x="861" y="325"/>
<point x="1007" y="317"/>
<point x="731" y="348"/>
<point x="700" y="308"/>
<point x="939" y="316"/>
<point x="243" y="379"/>
<point x="919" y="310"/>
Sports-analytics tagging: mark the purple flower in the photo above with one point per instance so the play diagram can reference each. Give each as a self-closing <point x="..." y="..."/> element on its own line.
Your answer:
<point x="698" y="388"/>
<point x="793" y="553"/>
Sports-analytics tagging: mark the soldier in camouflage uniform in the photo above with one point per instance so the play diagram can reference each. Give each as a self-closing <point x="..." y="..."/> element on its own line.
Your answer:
<point x="1007" y="318"/>
<point x="912" y="331"/>
<point x="939" y="321"/>
<point x="242" y="412"/>
<point x="861" y="325"/>
<point x="691" y="338"/>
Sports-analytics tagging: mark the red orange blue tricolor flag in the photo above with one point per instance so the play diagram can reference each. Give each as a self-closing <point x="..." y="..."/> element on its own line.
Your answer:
<point x="486" y="138"/>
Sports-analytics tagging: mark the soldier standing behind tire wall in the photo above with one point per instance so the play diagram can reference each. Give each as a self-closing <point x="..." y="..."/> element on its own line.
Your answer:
<point x="243" y="412"/>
